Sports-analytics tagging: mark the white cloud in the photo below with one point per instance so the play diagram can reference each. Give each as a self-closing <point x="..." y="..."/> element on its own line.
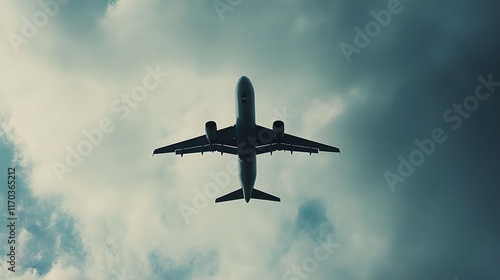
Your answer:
<point x="321" y="112"/>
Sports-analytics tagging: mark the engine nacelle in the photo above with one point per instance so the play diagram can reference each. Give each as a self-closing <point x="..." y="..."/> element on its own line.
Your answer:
<point x="278" y="130"/>
<point x="211" y="131"/>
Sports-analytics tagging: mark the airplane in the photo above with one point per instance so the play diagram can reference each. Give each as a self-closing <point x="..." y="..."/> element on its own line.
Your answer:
<point x="246" y="139"/>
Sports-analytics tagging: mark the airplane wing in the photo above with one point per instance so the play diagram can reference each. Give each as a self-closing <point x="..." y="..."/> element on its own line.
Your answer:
<point x="288" y="143"/>
<point x="224" y="143"/>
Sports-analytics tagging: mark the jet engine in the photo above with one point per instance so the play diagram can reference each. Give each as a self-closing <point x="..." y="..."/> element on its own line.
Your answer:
<point x="211" y="131"/>
<point x="278" y="130"/>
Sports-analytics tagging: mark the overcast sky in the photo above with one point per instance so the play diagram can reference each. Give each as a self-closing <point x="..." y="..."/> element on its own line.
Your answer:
<point x="408" y="90"/>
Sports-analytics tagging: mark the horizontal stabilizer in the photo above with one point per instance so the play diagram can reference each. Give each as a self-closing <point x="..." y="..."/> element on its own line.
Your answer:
<point x="264" y="196"/>
<point x="237" y="194"/>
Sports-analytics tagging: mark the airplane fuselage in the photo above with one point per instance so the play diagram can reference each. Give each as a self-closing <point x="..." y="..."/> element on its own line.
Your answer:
<point x="245" y="135"/>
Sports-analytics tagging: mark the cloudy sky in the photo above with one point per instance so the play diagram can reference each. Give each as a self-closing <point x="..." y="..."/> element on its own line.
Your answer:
<point x="408" y="90"/>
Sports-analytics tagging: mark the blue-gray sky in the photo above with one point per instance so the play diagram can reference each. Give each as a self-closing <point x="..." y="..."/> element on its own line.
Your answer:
<point x="374" y="78"/>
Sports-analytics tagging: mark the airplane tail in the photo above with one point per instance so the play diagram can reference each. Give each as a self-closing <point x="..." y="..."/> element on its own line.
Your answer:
<point x="238" y="194"/>
<point x="264" y="196"/>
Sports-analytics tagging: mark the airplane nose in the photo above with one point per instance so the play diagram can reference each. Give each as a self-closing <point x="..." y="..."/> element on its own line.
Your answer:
<point x="244" y="80"/>
<point x="244" y="83"/>
<point x="243" y="89"/>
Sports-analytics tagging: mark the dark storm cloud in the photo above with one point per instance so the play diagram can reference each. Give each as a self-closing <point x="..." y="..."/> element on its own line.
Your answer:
<point x="425" y="61"/>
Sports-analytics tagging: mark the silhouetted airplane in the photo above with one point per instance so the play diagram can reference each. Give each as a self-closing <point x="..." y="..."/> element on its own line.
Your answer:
<point x="246" y="139"/>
